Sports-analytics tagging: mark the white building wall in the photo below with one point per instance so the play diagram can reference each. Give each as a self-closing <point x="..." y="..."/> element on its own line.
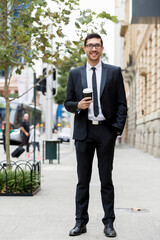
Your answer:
<point x="119" y="41"/>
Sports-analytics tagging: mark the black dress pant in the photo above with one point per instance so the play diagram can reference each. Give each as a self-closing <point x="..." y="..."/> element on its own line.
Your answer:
<point x="102" y="139"/>
<point x="25" y="141"/>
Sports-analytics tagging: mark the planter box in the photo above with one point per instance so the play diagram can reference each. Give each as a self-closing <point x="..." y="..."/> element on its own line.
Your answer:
<point x="21" y="178"/>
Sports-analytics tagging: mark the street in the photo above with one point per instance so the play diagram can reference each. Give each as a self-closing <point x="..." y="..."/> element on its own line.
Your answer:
<point x="49" y="215"/>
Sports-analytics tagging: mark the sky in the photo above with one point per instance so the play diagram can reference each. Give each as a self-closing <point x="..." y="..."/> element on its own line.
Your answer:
<point x="109" y="7"/>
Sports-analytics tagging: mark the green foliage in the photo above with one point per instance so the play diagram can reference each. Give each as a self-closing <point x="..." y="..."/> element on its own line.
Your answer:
<point x="59" y="98"/>
<point x="105" y="15"/>
<point x="30" y="28"/>
<point x="13" y="95"/>
<point x="18" y="181"/>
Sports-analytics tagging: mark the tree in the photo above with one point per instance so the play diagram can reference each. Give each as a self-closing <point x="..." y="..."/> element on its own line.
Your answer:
<point x="24" y="37"/>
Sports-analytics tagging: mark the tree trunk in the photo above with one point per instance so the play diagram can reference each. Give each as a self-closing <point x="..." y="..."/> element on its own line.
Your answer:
<point x="6" y="86"/>
<point x="7" y="117"/>
<point x="7" y="136"/>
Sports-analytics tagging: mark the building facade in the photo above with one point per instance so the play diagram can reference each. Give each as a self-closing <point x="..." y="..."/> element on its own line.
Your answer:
<point x="118" y="46"/>
<point x="142" y="74"/>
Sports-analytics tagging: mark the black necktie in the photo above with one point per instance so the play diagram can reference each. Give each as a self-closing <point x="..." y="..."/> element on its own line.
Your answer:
<point x="95" y="97"/>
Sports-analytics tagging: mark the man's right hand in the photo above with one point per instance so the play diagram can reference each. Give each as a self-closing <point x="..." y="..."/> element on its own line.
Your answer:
<point x="84" y="103"/>
<point x="27" y="134"/>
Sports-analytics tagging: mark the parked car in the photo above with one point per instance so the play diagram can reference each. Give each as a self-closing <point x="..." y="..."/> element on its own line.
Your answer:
<point x="64" y="134"/>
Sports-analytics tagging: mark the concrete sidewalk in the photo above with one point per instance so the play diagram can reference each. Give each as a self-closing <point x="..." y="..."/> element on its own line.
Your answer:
<point x="49" y="215"/>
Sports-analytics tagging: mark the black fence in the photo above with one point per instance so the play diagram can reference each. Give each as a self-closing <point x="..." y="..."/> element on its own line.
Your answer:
<point x="20" y="178"/>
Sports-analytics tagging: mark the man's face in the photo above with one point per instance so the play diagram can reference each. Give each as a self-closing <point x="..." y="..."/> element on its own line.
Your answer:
<point x="93" y="53"/>
<point x="26" y="116"/>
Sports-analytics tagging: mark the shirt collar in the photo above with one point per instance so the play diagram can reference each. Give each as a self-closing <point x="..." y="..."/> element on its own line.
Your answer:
<point x="98" y="66"/>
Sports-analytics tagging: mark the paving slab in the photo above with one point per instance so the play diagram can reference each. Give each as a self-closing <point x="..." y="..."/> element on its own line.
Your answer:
<point x="49" y="215"/>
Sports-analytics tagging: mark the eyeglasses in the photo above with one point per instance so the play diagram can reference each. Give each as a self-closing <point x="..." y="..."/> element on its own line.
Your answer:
<point x="91" y="46"/>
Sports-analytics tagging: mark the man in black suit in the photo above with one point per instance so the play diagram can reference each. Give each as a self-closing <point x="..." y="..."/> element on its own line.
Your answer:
<point x="96" y="126"/>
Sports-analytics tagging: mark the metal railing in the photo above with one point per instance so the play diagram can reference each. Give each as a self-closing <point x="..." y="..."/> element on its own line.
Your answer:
<point x="20" y="177"/>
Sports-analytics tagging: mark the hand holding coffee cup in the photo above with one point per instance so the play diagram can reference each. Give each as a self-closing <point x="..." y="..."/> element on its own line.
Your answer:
<point x="87" y="100"/>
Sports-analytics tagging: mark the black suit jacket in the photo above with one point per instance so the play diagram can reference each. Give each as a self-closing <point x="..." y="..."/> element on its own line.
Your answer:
<point x="112" y="98"/>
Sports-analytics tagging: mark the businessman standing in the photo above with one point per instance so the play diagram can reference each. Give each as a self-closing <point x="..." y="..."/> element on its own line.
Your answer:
<point x="97" y="123"/>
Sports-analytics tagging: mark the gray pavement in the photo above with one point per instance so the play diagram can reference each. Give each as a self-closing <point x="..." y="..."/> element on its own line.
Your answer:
<point x="49" y="215"/>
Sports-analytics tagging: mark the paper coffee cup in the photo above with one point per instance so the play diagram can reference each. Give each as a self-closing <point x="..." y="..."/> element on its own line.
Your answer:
<point x="87" y="92"/>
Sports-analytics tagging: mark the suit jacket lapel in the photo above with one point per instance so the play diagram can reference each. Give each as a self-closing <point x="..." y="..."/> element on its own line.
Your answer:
<point x="103" y="78"/>
<point x="83" y="76"/>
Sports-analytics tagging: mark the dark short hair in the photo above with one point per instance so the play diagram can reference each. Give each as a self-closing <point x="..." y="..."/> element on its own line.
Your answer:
<point x="93" y="35"/>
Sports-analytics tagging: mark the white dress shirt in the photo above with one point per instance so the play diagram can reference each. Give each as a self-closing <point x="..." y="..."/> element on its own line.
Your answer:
<point x="98" y="71"/>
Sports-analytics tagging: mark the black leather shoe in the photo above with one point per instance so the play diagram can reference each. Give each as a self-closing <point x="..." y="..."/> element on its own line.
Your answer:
<point x="78" y="230"/>
<point x="109" y="230"/>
